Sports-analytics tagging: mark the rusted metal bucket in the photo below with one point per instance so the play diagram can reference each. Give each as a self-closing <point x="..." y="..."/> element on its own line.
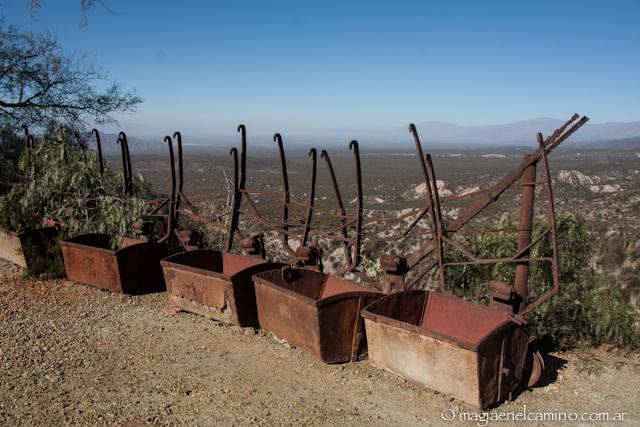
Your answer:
<point x="470" y="351"/>
<point x="215" y="284"/>
<point x="314" y="311"/>
<point x="132" y="269"/>
<point x="37" y="250"/>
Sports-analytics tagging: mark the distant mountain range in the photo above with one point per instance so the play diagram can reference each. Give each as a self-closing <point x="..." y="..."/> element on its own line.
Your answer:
<point x="435" y="134"/>
<point x="523" y="132"/>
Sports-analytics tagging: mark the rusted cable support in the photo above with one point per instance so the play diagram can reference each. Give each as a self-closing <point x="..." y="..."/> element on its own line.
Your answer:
<point x="211" y="221"/>
<point x="99" y="148"/>
<point x="524" y="250"/>
<point x="317" y="210"/>
<point x="551" y="219"/>
<point x="344" y="227"/>
<point x="415" y="222"/>
<point x="460" y="248"/>
<point x="199" y="198"/>
<point x="261" y="192"/>
<point x="463" y="196"/>
<point x="332" y="236"/>
<point x="499" y="261"/>
<point x="162" y="203"/>
<point x="396" y="219"/>
<point x="268" y="224"/>
<point x="370" y="238"/>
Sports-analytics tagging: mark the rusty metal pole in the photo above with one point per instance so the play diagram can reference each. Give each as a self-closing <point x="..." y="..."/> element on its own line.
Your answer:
<point x="312" y="197"/>
<point x="235" y="206"/>
<point x="286" y="196"/>
<point x="172" y="197"/>
<point x="343" y="219"/>
<point x="129" y="175"/>
<point x="353" y="145"/>
<point x="178" y="137"/>
<point x="525" y="228"/>
<point x="99" y="147"/>
<point x="125" y="170"/>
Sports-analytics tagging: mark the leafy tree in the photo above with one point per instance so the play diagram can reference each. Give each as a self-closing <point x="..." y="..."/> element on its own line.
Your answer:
<point x="40" y="83"/>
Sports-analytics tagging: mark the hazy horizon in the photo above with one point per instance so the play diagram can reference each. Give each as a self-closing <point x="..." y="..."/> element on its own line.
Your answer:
<point x="341" y="70"/>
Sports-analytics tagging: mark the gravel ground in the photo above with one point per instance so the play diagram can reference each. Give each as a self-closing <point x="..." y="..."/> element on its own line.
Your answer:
<point x="72" y="354"/>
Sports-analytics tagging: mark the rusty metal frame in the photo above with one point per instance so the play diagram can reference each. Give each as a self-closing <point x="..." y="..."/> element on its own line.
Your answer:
<point x="284" y="228"/>
<point x="304" y="221"/>
<point x="441" y="232"/>
<point x="489" y="195"/>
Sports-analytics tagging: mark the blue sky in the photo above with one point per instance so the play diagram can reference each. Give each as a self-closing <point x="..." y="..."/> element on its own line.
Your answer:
<point x="336" y="67"/>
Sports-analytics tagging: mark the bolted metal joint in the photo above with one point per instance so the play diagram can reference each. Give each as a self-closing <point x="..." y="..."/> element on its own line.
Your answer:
<point x="503" y="296"/>
<point x="143" y="230"/>
<point x="394" y="268"/>
<point x="253" y="245"/>
<point x="309" y="256"/>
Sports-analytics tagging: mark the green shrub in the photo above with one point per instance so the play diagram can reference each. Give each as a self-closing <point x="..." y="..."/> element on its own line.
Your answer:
<point x="63" y="183"/>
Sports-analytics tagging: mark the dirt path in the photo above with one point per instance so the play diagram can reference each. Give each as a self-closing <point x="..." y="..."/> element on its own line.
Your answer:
<point x="71" y="354"/>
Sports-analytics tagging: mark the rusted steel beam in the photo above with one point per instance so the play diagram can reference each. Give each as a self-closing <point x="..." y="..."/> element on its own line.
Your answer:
<point x="525" y="227"/>
<point x="99" y="148"/>
<point x="551" y="219"/>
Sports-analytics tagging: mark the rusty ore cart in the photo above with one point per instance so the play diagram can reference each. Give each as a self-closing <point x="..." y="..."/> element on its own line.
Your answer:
<point x="479" y="354"/>
<point x="314" y="311"/>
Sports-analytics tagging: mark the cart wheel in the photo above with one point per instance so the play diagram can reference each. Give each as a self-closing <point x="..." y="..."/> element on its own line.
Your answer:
<point x="537" y="367"/>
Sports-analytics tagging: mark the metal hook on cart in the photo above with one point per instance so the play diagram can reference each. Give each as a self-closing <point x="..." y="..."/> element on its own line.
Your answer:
<point x="286" y="197"/>
<point x="353" y="145"/>
<point x="343" y="220"/>
<point x="233" y="223"/>
<point x="312" y="195"/>
<point x="99" y="148"/>
<point x="122" y="137"/>
<point x="170" y="222"/>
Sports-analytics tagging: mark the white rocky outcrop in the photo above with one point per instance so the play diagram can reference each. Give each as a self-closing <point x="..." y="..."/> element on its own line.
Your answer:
<point x="575" y="177"/>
